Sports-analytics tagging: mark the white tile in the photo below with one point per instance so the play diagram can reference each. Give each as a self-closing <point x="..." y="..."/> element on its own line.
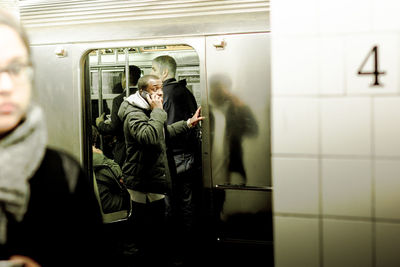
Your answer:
<point x="296" y="187"/>
<point x="331" y="51"/>
<point x="386" y="15"/>
<point x="296" y="242"/>
<point x="295" y="125"/>
<point x="293" y="16"/>
<point x="346" y="126"/>
<point x="387" y="126"/>
<point x="387" y="244"/>
<point x="360" y="56"/>
<point x="343" y="16"/>
<point x="346" y="187"/>
<point x="294" y="66"/>
<point x="347" y="243"/>
<point x="387" y="188"/>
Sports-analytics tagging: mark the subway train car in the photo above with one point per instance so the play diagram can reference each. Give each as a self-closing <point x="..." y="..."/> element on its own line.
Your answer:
<point x="222" y="49"/>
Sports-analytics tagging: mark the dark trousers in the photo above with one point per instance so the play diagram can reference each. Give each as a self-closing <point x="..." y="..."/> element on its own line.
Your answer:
<point x="183" y="208"/>
<point x="149" y="230"/>
<point x="184" y="184"/>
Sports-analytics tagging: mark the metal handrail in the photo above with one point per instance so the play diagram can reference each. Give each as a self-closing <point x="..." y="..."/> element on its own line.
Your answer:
<point x="244" y="187"/>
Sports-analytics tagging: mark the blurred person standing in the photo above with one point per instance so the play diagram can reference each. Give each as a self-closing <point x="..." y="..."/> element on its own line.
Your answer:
<point x="49" y="215"/>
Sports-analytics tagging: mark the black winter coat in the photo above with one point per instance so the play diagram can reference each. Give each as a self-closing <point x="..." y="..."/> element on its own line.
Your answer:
<point x="180" y="104"/>
<point x="63" y="224"/>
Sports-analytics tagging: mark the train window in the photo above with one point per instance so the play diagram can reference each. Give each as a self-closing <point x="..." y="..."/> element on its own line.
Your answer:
<point x="105" y="69"/>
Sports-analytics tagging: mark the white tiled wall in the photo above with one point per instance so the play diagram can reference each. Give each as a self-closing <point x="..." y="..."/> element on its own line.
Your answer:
<point x="296" y="242"/>
<point x="295" y="125"/>
<point x="331" y="64"/>
<point x="387" y="244"/>
<point x="336" y="136"/>
<point x="346" y="187"/>
<point x="347" y="243"/>
<point x="387" y="188"/>
<point x="386" y="15"/>
<point x="346" y="126"/>
<point x="302" y="67"/>
<point x="343" y="16"/>
<point x="296" y="179"/>
<point x="386" y="116"/>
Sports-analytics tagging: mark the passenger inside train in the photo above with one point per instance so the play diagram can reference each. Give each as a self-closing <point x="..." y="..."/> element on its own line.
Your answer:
<point x="179" y="104"/>
<point x="146" y="171"/>
<point x="113" y="193"/>
<point x="115" y="206"/>
<point x="113" y="126"/>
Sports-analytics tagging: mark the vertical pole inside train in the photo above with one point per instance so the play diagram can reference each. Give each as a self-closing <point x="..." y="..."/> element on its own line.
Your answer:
<point x="100" y="91"/>
<point x="127" y="72"/>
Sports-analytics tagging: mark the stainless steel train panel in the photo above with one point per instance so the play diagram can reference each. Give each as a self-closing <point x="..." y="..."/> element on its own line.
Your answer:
<point x="55" y="89"/>
<point x="238" y="82"/>
<point x="58" y="21"/>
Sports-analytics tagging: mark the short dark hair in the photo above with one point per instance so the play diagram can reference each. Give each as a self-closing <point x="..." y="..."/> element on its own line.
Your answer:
<point x="8" y="20"/>
<point x="134" y="75"/>
<point x="144" y="81"/>
<point x="166" y="62"/>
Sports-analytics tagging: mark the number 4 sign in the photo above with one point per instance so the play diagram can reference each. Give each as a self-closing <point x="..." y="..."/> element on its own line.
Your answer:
<point x="374" y="54"/>
<point x="372" y="64"/>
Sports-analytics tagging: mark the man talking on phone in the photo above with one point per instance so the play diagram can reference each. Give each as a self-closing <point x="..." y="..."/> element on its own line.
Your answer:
<point x="146" y="171"/>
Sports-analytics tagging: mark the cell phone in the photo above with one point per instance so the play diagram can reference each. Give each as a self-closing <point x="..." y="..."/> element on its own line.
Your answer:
<point x="144" y="94"/>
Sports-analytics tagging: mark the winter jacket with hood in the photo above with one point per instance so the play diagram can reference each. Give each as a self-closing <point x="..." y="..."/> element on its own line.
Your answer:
<point x="146" y="167"/>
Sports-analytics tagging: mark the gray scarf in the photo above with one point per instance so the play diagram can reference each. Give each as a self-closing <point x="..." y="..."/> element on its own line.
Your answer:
<point x="21" y="153"/>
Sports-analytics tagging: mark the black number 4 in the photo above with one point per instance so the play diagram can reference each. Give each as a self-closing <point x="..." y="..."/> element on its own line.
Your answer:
<point x="376" y="72"/>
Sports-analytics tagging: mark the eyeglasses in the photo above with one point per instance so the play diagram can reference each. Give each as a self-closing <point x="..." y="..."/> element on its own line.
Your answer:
<point x="18" y="72"/>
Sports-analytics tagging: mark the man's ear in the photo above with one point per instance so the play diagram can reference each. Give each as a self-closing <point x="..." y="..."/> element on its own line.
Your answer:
<point x="165" y="74"/>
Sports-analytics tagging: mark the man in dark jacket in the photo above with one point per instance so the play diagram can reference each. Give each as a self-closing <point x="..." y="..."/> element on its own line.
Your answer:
<point x="146" y="171"/>
<point x="114" y="126"/>
<point x="179" y="103"/>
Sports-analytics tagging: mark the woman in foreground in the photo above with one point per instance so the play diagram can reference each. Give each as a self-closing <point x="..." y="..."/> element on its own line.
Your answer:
<point x="48" y="212"/>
